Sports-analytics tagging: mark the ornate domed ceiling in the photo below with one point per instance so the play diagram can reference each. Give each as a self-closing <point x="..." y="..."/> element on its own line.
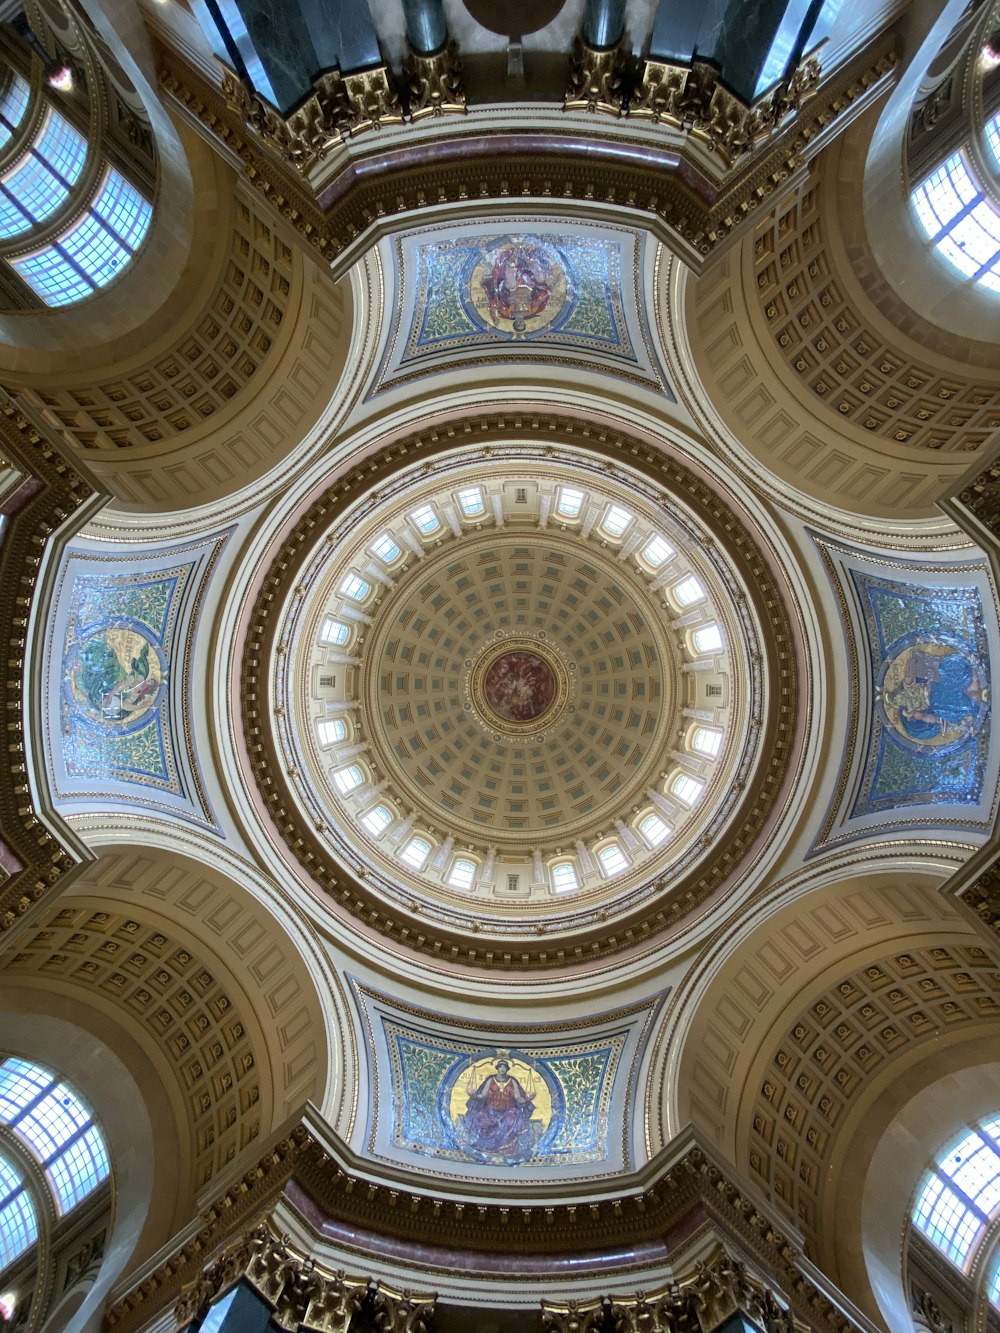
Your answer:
<point x="520" y="693"/>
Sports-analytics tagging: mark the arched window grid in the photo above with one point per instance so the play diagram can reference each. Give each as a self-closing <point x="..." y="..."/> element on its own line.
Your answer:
<point x="689" y="591"/>
<point x="961" y="1193"/>
<point x="347" y="779"/>
<point x="462" y="874"/>
<point x="334" y="632"/>
<point x="564" y="877"/>
<point x="331" y="730"/>
<point x="18" y="1217"/>
<point x="56" y="1127"/>
<point x="569" y="502"/>
<point x="76" y="219"/>
<point x="415" y="853"/>
<point x="993" y="1285"/>
<point x="386" y="548"/>
<point x="612" y="860"/>
<point x="377" y="820"/>
<point x="958" y="219"/>
<point x="706" y="741"/>
<point x="653" y="830"/>
<point x="14" y="102"/>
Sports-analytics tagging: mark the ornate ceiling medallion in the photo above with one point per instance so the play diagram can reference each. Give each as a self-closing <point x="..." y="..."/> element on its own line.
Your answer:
<point x="519" y="685"/>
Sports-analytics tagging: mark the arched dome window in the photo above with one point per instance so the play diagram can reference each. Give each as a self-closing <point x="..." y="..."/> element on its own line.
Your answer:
<point x="68" y="224"/>
<point x="18" y="1219"/>
<point x="57" y="1128"/>
<point x="961" y="1193"/>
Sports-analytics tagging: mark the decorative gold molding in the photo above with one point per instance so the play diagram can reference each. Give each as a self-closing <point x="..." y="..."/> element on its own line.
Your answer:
<point x="688" y="205"/>
<point x="699" y="1303"/>
<point x="434" y="83"/>
<point x="693" y="98"/>
<point x="300" y="1291"/>
<point x="596" y="79"/>
<point x="51" y="492"/>
<point x="683" y="1201"/>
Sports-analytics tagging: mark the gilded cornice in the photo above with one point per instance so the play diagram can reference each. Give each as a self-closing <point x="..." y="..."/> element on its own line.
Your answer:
<point x="51" y="494"/>
<point x="684" y="1194"/>
<point x="672" y="902"/>
<point x="670" y="175"/>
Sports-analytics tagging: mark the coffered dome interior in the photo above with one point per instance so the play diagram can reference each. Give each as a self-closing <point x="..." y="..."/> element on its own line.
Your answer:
<point x="517" y="692"/>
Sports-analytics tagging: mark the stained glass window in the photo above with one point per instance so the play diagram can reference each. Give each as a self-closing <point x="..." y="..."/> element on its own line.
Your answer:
<point x="93" y="250"/>
<point x="472" y="501"/>
<point x="963" y="226"/>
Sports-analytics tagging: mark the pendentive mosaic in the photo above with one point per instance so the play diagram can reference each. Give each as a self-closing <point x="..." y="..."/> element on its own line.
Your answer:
<point x="546" y="1104"/>
<point x="118" y="646"/>
<point x="931" y="722"/>
<point x="120" y="687"/>
<point x="522" y="293"/>
<point x="531" y="1103"/>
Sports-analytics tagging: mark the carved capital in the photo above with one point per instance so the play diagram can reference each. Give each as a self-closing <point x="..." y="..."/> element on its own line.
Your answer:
<point x="434" y="83"/>
<point x="300" y="1292"/>
<point x="370" y="100"/>
<point x="692" y="98"/>
<point x="597" y="79"/>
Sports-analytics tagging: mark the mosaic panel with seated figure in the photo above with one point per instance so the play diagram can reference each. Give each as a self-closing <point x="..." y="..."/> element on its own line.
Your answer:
<point x="536" y="1102"/>
<point x="521" y="293"/>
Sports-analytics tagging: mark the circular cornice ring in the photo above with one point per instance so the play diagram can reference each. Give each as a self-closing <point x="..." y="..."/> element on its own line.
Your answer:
<point x="752" y="802"/>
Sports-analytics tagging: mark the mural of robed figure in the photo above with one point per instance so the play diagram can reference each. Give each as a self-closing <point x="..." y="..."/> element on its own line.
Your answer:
<point x="498" y="1117"/>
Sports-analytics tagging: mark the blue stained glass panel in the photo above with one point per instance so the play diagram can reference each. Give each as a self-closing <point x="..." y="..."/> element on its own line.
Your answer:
<point x="95" y="250"/>
<point x="36" y="188"/>
<point x="78" y="1170"/>
<point x="18" y="1227"/>
<point x="21" y="1083"/>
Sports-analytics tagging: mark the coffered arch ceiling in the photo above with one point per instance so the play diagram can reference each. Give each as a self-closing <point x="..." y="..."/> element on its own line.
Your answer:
<point x="818" y="1012"/>
<point x="866" y="407"/>
<point x="203" y="978"/>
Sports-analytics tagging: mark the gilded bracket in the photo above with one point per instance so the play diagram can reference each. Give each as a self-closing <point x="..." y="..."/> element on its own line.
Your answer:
<point x="434" y="83"/>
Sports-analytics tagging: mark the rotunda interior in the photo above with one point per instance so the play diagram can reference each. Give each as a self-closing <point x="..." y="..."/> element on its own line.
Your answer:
<point x="499" y="557"/>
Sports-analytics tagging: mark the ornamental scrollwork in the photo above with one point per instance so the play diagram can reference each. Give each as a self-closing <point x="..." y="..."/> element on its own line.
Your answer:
<point x="700" y="1303"/>
<point x="301" y="1294"/>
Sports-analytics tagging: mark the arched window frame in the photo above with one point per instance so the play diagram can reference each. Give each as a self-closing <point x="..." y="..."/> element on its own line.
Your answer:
<point x="85" y="216"/>
<point x="959" y="1195"/>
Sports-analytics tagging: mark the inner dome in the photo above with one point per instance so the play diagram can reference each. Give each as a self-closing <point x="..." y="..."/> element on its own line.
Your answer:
<point x="511" y="698"/>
